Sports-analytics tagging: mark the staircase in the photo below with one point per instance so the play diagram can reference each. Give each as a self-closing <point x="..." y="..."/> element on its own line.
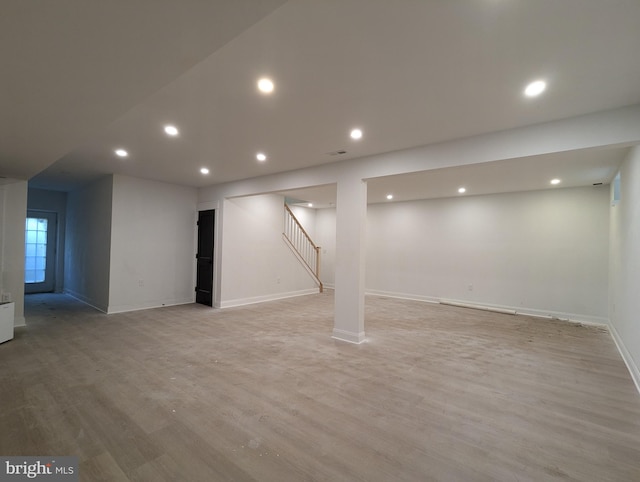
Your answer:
<point x="302" y="245"/>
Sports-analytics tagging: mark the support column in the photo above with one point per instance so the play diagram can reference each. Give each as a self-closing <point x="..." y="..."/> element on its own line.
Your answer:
<point x="351" y="218"/>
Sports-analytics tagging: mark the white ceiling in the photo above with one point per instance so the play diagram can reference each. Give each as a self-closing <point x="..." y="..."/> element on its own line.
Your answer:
<point x="408" y="72"/>
<point x="573" y="168"/>
<point x="71" y="67"/>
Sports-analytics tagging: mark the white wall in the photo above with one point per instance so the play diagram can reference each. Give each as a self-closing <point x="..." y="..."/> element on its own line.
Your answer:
<point x="88" y="243"/>
<point x="543" y="252"/>
<point x="13" y="213"/>
<point x="56" y="202"/>
<point x="153" y="234"/>
<point x="326" y="238"/>
<point x="540" y="252"/>
<point x="307" y="218"/>
<point x="624" y="299"/>
<point x="257" y="265"/>
<point x="599" y="130"/>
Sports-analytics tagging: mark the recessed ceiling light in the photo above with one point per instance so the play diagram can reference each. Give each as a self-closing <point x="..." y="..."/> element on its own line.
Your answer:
<point x="265" y="85"/>
<point x="171" y="130"/>
<point x="462" y="190"/>
<point x="389" y="197"/>
<point x="535" y="88"/>
<point x="356" y="134"/>
<point x="555" y="181"/>
<point x="121" y="153"/>
<point x="310" y="205"/>
<point x="261" y="157"/>
<point x="204" y="170"/>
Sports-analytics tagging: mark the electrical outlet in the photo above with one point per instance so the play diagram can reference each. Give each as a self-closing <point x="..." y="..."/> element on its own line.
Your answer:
<point x="277" y="280"/>
<point x="6" y="296"/>
<point x="470" y="287"/>
<point x="141" y="283"/>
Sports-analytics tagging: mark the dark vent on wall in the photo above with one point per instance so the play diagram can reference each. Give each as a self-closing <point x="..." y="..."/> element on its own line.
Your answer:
<point x="337" y="153"/>
<point x="597" y="184"/>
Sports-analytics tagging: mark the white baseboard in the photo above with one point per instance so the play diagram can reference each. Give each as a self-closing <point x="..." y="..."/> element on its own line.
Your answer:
<point x="348" y="336"/>
<point x="519" y="310"/>
<point x="85" y="300"/>
<point x="264" y="298"/>
<point x="19" y="321"/>
<point x="125" y="308"/>
<point x="474" y="306"/>
<point x="562" y="316"/>
<point x="626" y="356"/>
<point x="147" y="306"/>
<point x="403" y="296"/>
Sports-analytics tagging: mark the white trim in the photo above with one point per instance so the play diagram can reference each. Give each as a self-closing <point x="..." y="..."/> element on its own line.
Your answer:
<point x="562" y="316"/>
<point x="478" y="307"/>
<point x="207" y="206"/>
<point x="126" y="308"/>
<point x="147" y="306"/>
<point x="84" y="300"/>
<point x="626" y="357"/>
<point x="403" y="296"/>
<point x="264" y="298"/>
<point x="518" y="310"/>
<point x="19" y="321"/>
<point x="348" y="336"/>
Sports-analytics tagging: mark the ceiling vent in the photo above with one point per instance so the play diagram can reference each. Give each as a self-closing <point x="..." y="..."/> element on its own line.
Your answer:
<point x="337" y="153"/>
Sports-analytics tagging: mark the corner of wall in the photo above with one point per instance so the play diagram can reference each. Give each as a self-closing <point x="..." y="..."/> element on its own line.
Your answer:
<point x="624" y="257"/>
<point x="83" y="299"/>
<point x="634" y="371"/>
<point x="13" y="213"/>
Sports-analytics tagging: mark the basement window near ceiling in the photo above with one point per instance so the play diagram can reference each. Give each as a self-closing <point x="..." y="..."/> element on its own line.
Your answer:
<point x="35" y="260"/>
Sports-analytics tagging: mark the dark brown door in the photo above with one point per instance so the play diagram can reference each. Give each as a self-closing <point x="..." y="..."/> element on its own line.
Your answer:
<point x="204" y="288"/>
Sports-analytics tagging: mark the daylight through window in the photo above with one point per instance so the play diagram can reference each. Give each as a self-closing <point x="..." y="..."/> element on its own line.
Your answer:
<point x="35" y="250"/>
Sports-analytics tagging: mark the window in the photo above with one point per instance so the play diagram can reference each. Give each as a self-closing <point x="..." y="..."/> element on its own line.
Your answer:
<point x="35" y="250"/>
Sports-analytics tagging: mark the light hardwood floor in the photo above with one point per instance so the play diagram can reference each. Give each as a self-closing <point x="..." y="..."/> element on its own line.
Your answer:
<point x="263" y="393"/>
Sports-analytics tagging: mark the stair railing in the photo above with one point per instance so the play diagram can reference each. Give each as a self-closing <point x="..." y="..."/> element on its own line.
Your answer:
<point x="302" y="245"/>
